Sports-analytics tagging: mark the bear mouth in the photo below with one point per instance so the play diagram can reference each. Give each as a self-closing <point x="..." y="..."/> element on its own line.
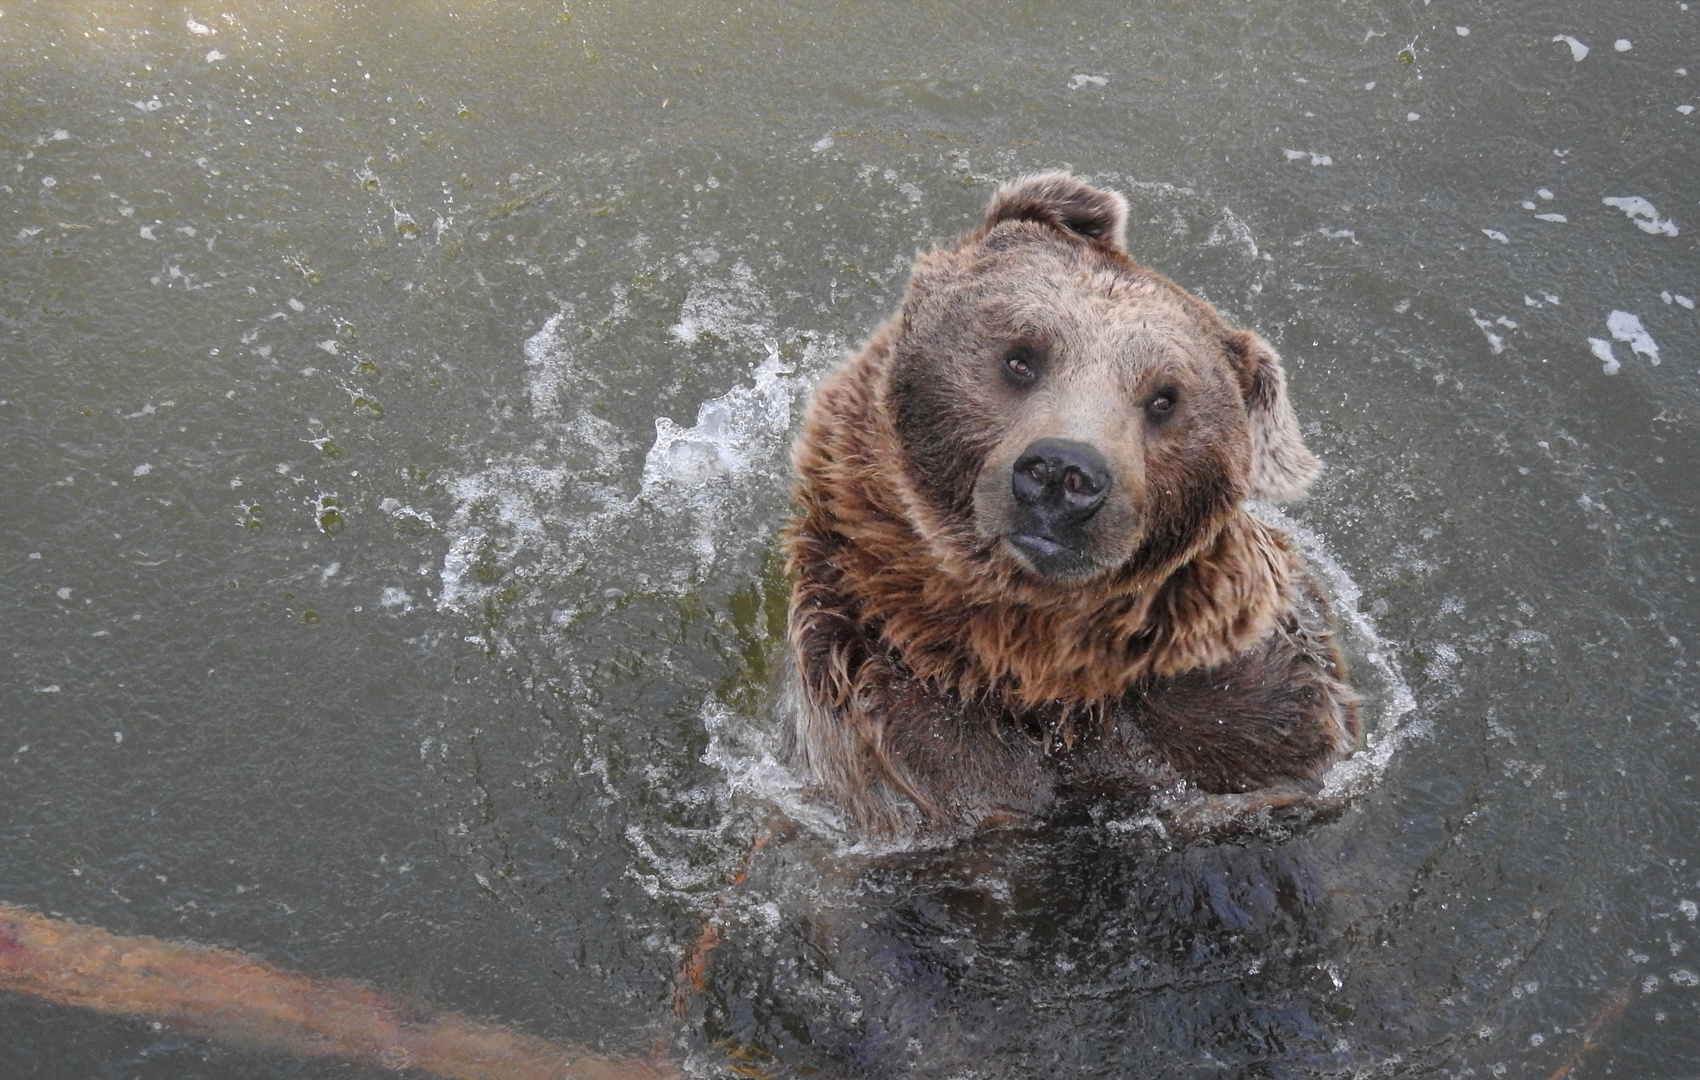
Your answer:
<point x="1049" y="557"/>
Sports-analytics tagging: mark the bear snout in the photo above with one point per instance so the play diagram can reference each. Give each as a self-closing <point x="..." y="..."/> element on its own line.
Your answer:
<point x="1061" y="481"/>
<point x="1058" y="485"/>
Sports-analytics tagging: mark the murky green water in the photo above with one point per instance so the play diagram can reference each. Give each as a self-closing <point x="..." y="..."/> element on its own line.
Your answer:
<point x="394" y="402"/>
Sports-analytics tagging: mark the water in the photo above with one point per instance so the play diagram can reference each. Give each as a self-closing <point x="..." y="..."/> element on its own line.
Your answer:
<point x="395" y="403"/>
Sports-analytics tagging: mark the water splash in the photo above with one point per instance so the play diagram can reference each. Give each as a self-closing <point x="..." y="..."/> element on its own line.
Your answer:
<point x="1395" y="719"/>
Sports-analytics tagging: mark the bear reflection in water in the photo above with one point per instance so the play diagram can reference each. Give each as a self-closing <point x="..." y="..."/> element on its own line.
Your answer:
<point x="1023" y="568"/>
<point x="1033" y="627"/>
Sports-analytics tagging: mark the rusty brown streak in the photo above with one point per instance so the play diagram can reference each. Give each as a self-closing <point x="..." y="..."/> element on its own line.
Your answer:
<point x="236" y="999"/>
<point x="1613" y="1009"/>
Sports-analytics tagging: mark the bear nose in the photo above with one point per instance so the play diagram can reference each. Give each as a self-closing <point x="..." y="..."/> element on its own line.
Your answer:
<point x="1061" y="481"/>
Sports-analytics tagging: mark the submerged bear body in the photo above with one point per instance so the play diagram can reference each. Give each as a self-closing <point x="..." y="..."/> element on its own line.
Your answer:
<point x="1022" y="564"/>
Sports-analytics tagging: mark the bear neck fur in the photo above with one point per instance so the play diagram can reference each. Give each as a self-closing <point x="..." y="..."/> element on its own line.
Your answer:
<point x="965" y="618"/>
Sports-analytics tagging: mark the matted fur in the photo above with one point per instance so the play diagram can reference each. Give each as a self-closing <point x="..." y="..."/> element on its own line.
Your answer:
<point x="937" y="677"/>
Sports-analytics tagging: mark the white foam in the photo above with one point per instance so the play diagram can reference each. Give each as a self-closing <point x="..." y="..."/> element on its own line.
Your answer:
<point x="1643" y="214"/>
<point x="731" y="431"/>
<point x="1399" y="720"/>
<point x="1578" y="51"/>
<point x="1232" y="230"/>
<point x="546" y="368"/>
<point x="1496" y="343"/>
<point x="1602" y="351"/>
<point x="746" y="753"/>
<point x="525" y="522"/>
<point x="517" y="496"/>
<point x="724" y="307"/>
<point x="744" y="430"/>
<point x="1628" y="328"/>
<point x="673" y="875"/>
<point x="1315" y="158"/>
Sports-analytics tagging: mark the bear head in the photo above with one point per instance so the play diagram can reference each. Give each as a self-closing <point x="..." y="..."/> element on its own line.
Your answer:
<point x="1063" y="414"/>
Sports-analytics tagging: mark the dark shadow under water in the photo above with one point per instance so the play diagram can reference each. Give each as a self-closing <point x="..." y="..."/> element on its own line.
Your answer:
<point x="1083" y="947"/>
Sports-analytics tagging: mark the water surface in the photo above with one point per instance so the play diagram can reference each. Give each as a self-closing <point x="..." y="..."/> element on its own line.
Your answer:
<point x="395" y="401"/>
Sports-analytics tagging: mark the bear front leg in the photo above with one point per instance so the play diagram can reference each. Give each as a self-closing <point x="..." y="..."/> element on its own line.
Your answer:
<point x="900" y="756"/>
<point x="1255" y="733"/>
<point x="1252" y="738"/>
<point x="1275" y="717"/>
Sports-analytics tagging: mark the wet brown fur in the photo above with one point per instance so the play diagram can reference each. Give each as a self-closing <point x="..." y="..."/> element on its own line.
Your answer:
<point x="937" y="680"/>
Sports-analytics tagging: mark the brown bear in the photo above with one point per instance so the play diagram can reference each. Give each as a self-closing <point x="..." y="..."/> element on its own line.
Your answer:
<point x="1022" y="565"/>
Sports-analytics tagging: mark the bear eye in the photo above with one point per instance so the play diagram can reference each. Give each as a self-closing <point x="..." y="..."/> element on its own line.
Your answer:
<point x="1161" y="404"/>
<point x="1021" y="365"/>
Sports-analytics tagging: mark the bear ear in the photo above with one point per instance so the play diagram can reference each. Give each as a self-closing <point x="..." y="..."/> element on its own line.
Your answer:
<point x="1281" y="466"/>
<point x="1059" y="200"/>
